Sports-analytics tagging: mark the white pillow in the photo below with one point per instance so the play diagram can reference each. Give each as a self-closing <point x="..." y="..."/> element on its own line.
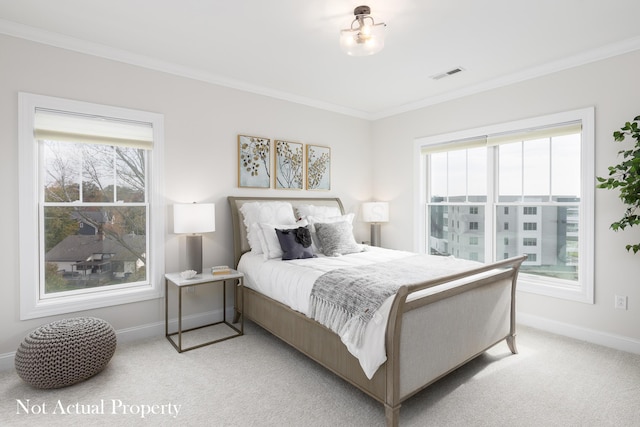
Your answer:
<point x="256" y="231"/>
<point x="317" y="247"/>
<point x="271" y="248"/>
<point x="322" y="211"/>
<point x="268" y="212"/>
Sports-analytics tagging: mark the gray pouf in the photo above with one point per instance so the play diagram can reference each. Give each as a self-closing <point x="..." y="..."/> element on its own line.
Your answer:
<point x="65" y="352"/>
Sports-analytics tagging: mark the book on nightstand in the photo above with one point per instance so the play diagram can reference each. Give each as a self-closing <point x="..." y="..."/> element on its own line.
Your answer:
<point x="220" y="270"/>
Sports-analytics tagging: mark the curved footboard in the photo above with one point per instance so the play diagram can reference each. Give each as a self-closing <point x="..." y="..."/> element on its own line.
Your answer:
<point x="439" y="325"/>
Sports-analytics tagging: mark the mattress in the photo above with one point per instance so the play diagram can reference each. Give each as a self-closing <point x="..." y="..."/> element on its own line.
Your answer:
<point x="291" y="282"/>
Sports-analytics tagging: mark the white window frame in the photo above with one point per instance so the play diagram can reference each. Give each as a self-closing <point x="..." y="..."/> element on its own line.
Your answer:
<point x="32" y="305"/>
<point x="584" y="292"/>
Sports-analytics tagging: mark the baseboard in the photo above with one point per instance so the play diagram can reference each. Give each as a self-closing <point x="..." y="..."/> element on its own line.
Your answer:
<point x="155" y="329"/>
<point x="584" y="334"/>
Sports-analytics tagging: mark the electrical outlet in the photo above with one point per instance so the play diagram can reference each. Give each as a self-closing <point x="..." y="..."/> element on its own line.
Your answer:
<point x="621" y="302"/>
<point x="191" y="290"/>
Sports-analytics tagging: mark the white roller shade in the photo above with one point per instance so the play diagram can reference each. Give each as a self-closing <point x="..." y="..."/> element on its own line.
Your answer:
<point x="463" y="144"/>
<point x="537" y="133"/>
<point x="64" y="126"/>
<point x="504" y="138"/>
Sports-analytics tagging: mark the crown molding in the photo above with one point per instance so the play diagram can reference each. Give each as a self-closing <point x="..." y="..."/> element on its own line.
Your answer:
<point x="95" y="49"/>
<point x="583" y="58"/>
<point x="70" y="43"/>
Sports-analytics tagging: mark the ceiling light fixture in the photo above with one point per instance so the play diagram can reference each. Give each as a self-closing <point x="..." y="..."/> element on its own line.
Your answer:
<point x="365" y="37"/>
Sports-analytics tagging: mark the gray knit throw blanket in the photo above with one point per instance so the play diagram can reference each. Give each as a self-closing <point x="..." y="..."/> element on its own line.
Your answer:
<point x="345" y="300"/>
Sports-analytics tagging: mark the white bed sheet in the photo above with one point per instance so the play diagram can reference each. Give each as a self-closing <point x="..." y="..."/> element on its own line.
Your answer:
<point x="290" y="283"/>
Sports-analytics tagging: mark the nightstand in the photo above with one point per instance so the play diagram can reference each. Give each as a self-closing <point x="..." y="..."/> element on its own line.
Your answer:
<point x="206" y="278"/>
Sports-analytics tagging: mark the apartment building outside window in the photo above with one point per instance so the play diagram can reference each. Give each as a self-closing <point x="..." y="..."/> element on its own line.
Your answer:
<point x="537" y="174"/>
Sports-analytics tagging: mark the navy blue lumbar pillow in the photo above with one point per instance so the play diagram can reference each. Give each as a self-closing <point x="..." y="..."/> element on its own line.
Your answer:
<point x="295" y="243"/>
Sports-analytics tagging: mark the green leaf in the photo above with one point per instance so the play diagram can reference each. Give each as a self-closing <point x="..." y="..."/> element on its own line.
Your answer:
<point x="618" y="136"/>
<point x="635" y="248"/>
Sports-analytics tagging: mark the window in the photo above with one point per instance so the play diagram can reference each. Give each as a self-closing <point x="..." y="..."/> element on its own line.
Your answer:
<point x="88" y="230"/>
<point x="537" y="174"/>
<point x="473" y="240"/>
<point x="473" y="210"/>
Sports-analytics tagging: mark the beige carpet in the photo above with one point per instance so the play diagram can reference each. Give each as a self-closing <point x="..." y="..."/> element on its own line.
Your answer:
<point x="255" y="380"/>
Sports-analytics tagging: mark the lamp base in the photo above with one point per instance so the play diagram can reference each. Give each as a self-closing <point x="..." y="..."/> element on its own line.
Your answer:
<point x="194" y="253"/>
<point x="375" y="234"/>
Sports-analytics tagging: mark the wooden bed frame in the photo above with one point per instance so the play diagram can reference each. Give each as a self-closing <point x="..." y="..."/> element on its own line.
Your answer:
<point x="427" y="336"/>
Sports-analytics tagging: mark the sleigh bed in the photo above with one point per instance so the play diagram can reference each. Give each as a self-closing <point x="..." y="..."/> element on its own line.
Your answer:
<point x="432" y="326"/>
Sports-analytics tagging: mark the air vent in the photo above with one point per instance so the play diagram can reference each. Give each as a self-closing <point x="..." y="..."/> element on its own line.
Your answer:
<point x="447" y="73"/>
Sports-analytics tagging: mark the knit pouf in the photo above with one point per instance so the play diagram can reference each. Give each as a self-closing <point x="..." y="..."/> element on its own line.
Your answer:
<point x="65" y="352"/>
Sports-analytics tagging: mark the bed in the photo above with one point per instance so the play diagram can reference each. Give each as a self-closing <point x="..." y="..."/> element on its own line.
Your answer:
<point x="431" y="327"/>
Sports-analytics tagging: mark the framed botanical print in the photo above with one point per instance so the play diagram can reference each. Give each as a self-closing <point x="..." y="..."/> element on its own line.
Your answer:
<point x="289" y="164"/>
<point x="318" y="167"/>
<point x="254" y="162"/>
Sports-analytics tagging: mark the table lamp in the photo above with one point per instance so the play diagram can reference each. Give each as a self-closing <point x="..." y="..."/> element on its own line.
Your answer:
<point x="194" y="219"/>
<point x="375" y="213"/>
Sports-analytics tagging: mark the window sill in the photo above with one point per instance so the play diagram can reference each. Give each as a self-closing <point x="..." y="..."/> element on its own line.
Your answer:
<point x="32" y="308"/>
<point x="537" y="286"/>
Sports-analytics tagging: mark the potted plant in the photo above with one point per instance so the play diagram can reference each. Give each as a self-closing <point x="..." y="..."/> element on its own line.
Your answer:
<point x="625" y="176"/>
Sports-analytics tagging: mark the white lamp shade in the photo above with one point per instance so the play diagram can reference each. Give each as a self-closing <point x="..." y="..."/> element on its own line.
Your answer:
<point x="192" y="218"/>
<point x="375" y="212"/>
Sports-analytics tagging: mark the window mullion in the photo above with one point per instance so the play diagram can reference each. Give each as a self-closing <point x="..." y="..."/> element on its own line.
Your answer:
<point x="115" y="174"/>
<point x="466" y="176"/>
<point x="447" y="187"/>
<point x="81" y="177"/>
<point x="522" y="172"/>
<point x="550" y="169"/>
<point x="490" y="206"/>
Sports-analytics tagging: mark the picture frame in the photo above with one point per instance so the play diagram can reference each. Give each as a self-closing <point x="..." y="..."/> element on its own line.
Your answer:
<point x="289" y="165"/>
<point x="318" y="167"/>
<point x="254" y="162"/>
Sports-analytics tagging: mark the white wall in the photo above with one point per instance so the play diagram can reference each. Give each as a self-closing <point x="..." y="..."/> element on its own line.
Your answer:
<point x="609" y="85"/>
<point x="202" y="122"/>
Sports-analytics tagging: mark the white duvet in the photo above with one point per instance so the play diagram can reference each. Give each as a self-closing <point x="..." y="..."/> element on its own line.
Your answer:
<point x="290" y="282"/>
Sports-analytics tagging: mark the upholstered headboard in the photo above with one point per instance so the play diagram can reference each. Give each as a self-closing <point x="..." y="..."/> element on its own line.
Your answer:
<point x="240" y="242"/>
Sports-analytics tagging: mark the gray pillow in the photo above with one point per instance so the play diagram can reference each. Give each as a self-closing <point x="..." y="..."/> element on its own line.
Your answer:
<point x="295" y="243"/>
<point x="337" y="238"/>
